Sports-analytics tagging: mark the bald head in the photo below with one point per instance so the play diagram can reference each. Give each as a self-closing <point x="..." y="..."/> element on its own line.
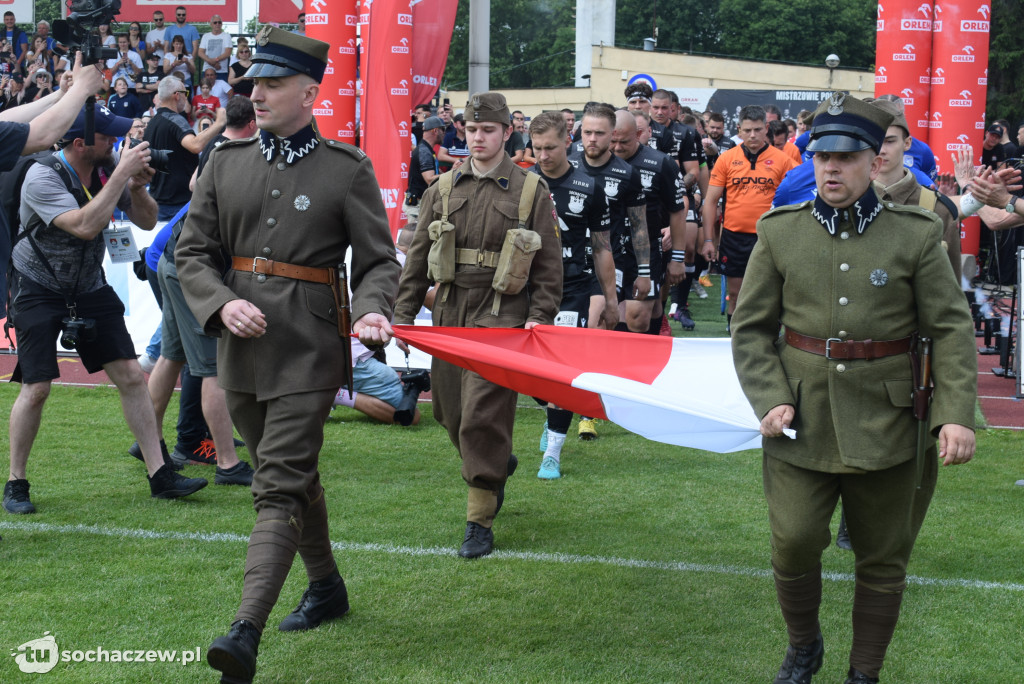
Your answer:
<point x="625" y="141"/>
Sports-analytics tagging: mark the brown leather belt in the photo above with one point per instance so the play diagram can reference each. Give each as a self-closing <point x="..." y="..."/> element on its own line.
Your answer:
<point x="835" y="348"/>
<point x="262" y="266"/>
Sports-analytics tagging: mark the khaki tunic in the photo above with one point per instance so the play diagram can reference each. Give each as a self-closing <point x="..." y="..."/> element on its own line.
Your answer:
<point x="908" y="191"/>
<point x="478" y="414"/>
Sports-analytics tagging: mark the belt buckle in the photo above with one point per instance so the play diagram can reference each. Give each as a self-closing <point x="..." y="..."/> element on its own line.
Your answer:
<point x="254" y="260"/>
<point x="828" y="346"/>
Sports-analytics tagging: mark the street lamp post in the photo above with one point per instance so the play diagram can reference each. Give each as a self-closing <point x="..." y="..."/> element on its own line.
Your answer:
<point x="832" y="61"/>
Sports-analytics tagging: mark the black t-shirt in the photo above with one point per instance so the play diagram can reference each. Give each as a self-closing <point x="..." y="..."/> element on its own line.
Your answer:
<point x="514" y="144"/>
<point x="146" y="78"/>
<point x="422" y="160"/>
<point x="663" y="188"/>
<point x="582" y="207"/>
<point x="679" y="141"/>
<point x="243" y="87"/>
<point x="165" y="131"/>
<point x="622" y="187"/>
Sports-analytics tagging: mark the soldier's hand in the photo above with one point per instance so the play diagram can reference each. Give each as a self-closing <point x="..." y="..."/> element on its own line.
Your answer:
<point x="373" y="329"/>
<point x="641" y="287"/>
<point x="777" y="420"/>
<point x="243" y="318"/>
<point x="676" y="271"/>
<point x="956" y="444"/>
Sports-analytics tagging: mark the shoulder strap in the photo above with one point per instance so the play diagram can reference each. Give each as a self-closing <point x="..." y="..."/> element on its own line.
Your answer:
<point x="444" y="186"/>
<point x="927" y="199"/>
<point x="526" y="199"/>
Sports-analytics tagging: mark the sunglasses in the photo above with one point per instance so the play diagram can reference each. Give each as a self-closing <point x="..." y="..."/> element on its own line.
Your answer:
<point x="181" y="92"/>
<point x="180" y="16"/>
<point x="216" y="22"/>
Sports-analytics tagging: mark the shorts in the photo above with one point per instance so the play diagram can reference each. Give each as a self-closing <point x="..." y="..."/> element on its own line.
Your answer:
<point x="626" y="274"/>
<point x="377" y="380"/>
<point x="182" y="337"/>
<point x="575" y="306"/>
<point x="39" y="312"/>
<point x="734" y="252"/>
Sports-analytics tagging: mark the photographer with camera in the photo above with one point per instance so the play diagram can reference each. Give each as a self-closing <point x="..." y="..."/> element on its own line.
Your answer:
<point x="379" y="393"/>
<point x="59" y="289"/>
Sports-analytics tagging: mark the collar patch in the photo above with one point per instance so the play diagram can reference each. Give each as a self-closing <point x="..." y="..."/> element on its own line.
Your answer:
<point x="861" y="213"/>
<point x="293" y="148"/>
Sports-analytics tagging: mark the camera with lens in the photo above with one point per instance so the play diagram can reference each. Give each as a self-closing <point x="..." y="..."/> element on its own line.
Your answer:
<point x="76" y="32"/>
<point x="414" y="382"/>
<point x="75" y="330"/>
<point x="159" y="160"/>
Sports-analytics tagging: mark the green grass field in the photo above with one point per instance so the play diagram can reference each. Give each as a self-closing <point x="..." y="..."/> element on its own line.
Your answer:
<point x="645" y="563"/>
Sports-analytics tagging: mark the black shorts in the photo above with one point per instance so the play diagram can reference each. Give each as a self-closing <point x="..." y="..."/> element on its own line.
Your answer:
<point x="626" y="272"/>
<point x="734" y="252"/>
<point x="574" y="310"/>
<point x="37" y="323"/>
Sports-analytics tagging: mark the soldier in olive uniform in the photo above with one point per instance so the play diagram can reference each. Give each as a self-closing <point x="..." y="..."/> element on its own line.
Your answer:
<point x="853" y="280"/>
<point x="483" y="206"/>
<point x="271" y="219"/>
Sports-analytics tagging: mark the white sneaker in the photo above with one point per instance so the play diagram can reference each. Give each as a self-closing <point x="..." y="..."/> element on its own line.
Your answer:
<point x="147" y="362"/>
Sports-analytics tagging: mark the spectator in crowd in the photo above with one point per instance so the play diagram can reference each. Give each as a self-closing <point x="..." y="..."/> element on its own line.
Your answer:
<point x="240" y="85"/>
<point x="301" y="28"/>
<point x="515" y="146"/>
<point x="454" y="149"/>
<point x="122" y="102"/>
<point x="42" y="57"/>
<point x="169" y="130"/>
<point x="68" y="240"/>
<point x="748" y="188"/>
<point x="218" y="88"/>
<point x="147" y="81"/>
<point x="107" y="39"/>
<point x="14" y="91"/>
<point x="137" y="132"/>
<point x="569" y="116"/>
<point x="215" y="49"/>
<point x="778" y="136"/>
<point x="16" y="39"/>
<point x="420" y="114"/>
<point x="1009" y="148"/>
<point x="136" y="42"/>
<point x="993" y="152"/>
<point x="422" y="167"/>
<point x="205" y="104"/>
<point x="155" y="36"/>
<point x="41" y="86"/>
<point x="280" y="408"/>
<point x="1020" y="137"/>
<point x="43" y="29"/>
<point x="127" y="65"/>
<point x="189" y="33"/>
<point x="176" y="60"/>
<point x="378" y="389"/>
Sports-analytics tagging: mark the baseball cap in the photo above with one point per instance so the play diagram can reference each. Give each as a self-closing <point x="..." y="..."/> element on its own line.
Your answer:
<point x="107" y="123"/>
<point x="995" y="129"/>
<point x="432" y="122"/>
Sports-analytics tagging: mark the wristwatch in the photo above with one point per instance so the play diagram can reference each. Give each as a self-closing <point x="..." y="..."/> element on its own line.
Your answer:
<point x="1010" y="208"/>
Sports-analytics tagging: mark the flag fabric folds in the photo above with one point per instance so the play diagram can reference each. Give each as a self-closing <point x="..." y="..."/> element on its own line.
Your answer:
<point x="671" y="390"/>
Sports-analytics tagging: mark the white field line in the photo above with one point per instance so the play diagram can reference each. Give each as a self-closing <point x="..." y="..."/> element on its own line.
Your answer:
<point x="568" y="558"/>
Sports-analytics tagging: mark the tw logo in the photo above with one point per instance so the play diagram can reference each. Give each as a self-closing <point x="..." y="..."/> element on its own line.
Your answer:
<point x="38" y="656"/>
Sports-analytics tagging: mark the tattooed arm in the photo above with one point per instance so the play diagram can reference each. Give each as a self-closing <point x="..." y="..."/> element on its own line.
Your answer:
<point x="641" y="249"/>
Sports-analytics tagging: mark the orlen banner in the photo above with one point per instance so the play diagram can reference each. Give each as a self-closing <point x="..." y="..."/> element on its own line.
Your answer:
<point x="198" y="12"/>
<point x="281" y="12"/>
<point x="334" y="22"/>
<point x="432" y="24"/>
<point x="903" y="57"/>
<point x="387" y="92"/>
<point x="959" y="83"/>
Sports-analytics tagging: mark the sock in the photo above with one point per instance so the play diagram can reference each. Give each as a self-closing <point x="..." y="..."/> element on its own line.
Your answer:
<point x="684" y="290"/>
<point x="559" y="420"/>
<point x="345" y="398"/>
<point x="621" y="327"/>
<point x="799" y="598"/>
<point x="555" y="442"/>
<point x="655" y="327"/>
<point x="874" y="620"/>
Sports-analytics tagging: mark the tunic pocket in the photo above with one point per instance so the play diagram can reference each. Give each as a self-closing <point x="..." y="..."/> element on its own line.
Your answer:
<point x="901" y="392"/>
<point x="321" y="304"/>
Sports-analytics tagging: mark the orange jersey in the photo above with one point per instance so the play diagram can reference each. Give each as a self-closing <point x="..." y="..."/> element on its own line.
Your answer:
<point x="749" y="191"/>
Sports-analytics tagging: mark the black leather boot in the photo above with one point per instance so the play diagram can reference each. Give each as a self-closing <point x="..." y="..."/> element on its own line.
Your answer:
<point x="801" y="662"/>
<point x="479" y="541"/>
<point x="235" y="654"/>
<point x="325" y="599"/>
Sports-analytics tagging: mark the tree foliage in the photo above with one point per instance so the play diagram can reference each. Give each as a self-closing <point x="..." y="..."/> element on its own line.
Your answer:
<point x="683" y="25"/>
<point x="1005" y="61"/>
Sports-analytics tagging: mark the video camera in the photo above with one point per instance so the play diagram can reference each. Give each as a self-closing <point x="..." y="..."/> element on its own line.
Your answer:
<point x="76" y="32"/>
<point x="414" y="382"/>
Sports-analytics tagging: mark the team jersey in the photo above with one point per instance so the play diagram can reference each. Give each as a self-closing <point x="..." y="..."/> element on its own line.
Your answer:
<point x="582" y="207"/>
<point x="622" y="187"/>
<point x="750" y="181"/>
<point x="677" y="140"/>
<point x="663" y="187"/>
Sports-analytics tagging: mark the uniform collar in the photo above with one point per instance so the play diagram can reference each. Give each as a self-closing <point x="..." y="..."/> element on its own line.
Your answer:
<point x="752" y="157"/>
<point x="500" y="174"/>
<point x="293" y="148"/>
<point x="861" y="213"/>
<point x="901" y="190"/>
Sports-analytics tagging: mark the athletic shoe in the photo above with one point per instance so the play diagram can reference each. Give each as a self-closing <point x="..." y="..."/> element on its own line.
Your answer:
<point x="167" y="484"/>
<point x="147" y="362"/>
<point x="544" y="438"/>
<point x="588" y="429"/>
<point x="204" y="454"/>
<point x="705" y="280"/>
<point x="699" y="289"/>
<point x="16" y="497"/>
<point x="550" y="469"/>
<point x="136" y="451"/>
<point x="239" y="474"/>
<point x="683" y="316"/>
<point x="666" y="329"/>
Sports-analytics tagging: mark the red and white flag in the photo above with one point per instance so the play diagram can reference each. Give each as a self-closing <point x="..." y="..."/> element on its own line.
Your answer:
<point x="671" y="390"/>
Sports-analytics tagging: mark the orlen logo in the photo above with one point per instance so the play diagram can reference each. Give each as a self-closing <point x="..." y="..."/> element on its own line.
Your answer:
<point x="405" y="170"/>
<point x="927" y="78"/>
<point x="962" y="143"/>
<point x="939" y="77"/>
<point x="906" y="56"/>
<point x="977" y="26"/>
<point x="347" y="133"/>
<point x="403" y="129"/>
<point x="922" y="23"/>
<point x="403" y="90"/>
<point x="963" y="101"/>
<point x="880" y="22"/>
<point x="329" y="69"/>
<point x="907" y="95"/>
<point x="937" y="20"/>
<point x="967" y="57"/>
<point x="405" y="20"/>
<point x="983" y="80"/>
<point x="317" y="19"/>
<point x="325" y="109"/>
<point x="425" y="80"/>
<point x="936" y="121"/>
<point x="880" y="77"/>
<point x="351" y="20"/>
<point x="349" y="91"/>
<point x="923" y="123"/>
<point x="403" y="48"/>
<point x="348" y="48"/>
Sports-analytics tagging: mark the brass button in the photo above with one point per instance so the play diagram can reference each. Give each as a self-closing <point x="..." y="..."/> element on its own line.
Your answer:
<point x="261" y="278"/>
<point x="271" y="222"/>
<point x="842" y="334"/>
<point x="281" y="166"/>
<point x="266" y="250"/>
<point x="844" y="267"/>
<point x="843" y="301"/>
<point x="275" y="193"/>
<point x="844" y="235"/>
<point x="841" y="368"/>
